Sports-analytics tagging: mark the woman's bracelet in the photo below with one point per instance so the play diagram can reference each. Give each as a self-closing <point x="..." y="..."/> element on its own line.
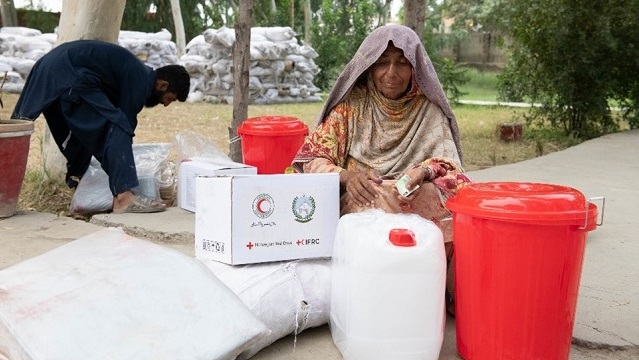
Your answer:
<point x="430" y="173"/>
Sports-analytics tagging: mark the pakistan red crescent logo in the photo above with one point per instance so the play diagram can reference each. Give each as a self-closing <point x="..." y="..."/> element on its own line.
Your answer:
<point x="263" y="206"/>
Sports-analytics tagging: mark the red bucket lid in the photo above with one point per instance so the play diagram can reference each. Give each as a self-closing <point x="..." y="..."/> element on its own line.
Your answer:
<point x="272" y="126"/>
<point x="523" y="201"/>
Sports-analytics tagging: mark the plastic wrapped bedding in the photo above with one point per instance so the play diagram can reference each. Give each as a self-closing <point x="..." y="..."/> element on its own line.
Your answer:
<point x="112" y="296"/>
<point x="288" y="296"/>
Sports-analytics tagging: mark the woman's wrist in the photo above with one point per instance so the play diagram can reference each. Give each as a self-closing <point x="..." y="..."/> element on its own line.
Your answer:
<point x="343" y="176"/>
<point x="429" y="173"/>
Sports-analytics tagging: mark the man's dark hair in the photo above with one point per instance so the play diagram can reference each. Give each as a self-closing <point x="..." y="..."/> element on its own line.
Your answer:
<point x="178" y="78"/>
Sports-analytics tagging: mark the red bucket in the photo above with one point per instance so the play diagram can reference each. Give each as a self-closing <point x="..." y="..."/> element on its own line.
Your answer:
<point x="15" y="136"/>
<point x="519" y="249"/>
<point x="271" y="142"/>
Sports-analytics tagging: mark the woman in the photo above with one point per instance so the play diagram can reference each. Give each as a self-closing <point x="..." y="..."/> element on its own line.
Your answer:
<point x="387" y="116"/>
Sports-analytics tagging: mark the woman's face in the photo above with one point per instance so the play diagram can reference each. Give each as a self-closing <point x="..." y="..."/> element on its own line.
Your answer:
<point x="392" y="73"/>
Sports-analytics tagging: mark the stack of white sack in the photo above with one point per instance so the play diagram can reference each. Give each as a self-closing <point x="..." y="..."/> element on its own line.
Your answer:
<point x="281" y="70"/>
<point x="154" y="49"/>
<point x="20" y="47"/>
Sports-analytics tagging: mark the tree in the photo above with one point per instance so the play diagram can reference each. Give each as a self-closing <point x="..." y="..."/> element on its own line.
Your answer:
<point x="241" y="61"/>
<point x="308" y="21"/>
<point x="574" y="57"/>
<point x="341" y="28"/>
<point x="153" y="15"/>
<point x="179" y="26"/>
<point x="415" y="15"/>
<point x="97" y="20"/>
<point x="8" y="13"/>
<point x="476" y="15"/>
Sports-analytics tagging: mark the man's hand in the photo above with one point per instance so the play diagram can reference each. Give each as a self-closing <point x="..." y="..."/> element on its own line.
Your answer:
<point x="360" y="186"/>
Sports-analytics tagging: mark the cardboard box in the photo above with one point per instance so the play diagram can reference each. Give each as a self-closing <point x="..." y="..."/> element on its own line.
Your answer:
<point x="189" y="170"/>
<point x="261" y="218"/>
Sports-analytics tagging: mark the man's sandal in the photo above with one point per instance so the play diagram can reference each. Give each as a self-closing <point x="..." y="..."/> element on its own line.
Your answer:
<point x="142" y="204"/>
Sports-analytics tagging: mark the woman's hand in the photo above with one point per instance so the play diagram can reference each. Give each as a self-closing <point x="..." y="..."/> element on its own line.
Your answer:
<point x="360" y="186"/>
<point x="418" y="175"/>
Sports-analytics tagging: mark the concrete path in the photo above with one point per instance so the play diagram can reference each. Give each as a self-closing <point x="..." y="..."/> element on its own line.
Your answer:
<point x="607" y="321"/>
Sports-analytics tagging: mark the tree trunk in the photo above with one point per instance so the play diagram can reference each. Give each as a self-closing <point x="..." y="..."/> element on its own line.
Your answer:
<point x="241" y="62"/>
<point x="384" y="13"/>
<point x="308" y="22"/>
<point x="81" y="19"/>
<point x="415" y="15"/>
<point x="292" y="10"/>
<point x="96" y="20"/>
<point x="179" y="26"/>
<point x="8" y="13"/>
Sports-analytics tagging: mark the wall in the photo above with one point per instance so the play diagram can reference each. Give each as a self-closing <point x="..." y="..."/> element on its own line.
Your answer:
<point x="481" y="50"/>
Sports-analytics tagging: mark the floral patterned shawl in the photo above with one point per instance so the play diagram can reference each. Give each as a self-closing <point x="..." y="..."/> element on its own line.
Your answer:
<point x="368" y="132"/>
<point x="359" y="129"/>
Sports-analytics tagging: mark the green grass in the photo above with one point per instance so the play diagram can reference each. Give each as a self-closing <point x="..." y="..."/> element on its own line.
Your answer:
<point x="482" y="85"/>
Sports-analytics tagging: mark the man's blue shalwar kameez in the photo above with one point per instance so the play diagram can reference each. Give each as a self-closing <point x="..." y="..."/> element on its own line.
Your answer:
<point x="90" y="93"/>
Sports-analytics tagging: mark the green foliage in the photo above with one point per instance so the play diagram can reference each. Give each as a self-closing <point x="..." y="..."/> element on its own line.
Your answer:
<point x="343" y="27"/>
<point x="475" y="15"/>
<point x="345" y="24"/>
<point x="451" y="77"/>
<point x="265" y="15"/>
<point x="574" y="57"/>
<point x="42" y="20"/>
<point x="450" y="74"/>
<point x="137" y="16"/>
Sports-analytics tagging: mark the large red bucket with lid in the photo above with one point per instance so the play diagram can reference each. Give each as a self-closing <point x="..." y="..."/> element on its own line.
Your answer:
<point x="15" y="136"/>
<point x="271" y="142"/>
<point x="519" y="249"/>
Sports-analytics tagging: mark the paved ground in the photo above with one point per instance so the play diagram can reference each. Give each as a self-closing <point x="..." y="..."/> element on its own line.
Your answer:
<point x="607" y="321"/>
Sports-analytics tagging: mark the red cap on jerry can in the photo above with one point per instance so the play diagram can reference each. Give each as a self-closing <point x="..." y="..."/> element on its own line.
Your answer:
<point x="402" y="237"/>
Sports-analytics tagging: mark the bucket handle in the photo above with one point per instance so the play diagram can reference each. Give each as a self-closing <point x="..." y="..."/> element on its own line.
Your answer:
<point x="9" y="134"/>
<point x="603" y="206"/>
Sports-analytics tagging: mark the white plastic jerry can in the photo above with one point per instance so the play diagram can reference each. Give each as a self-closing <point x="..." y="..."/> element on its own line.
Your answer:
<point x="388" y="277"/>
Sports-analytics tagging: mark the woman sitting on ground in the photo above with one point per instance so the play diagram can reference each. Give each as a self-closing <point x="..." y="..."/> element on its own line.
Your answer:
<point x="387" y="116"/>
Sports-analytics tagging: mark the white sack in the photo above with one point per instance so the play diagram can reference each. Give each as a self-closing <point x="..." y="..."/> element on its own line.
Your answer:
<point x="112" y="296"/>
<point x="287" y="296"/>
<point x="4" y="67"/>
<point x="93" y="194"/>
<point x="162" y="35"/>
<point x="274" y="33"/>
<point x="19" y="30"/>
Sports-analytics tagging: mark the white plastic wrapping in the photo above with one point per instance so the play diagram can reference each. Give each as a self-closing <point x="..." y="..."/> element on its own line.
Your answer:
<point x="387" y="301"/>
<point x="112" y="296"/>
<point x="93" y="194"/>
<point x="281" y="70"/>
<point x="194" y="145"/>
<point x="287" y="297"/>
